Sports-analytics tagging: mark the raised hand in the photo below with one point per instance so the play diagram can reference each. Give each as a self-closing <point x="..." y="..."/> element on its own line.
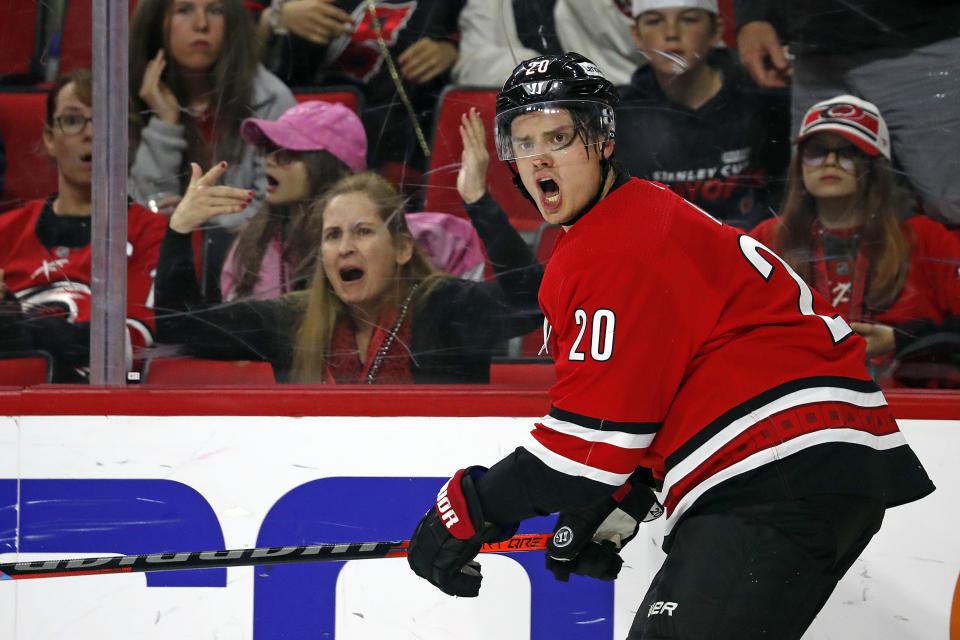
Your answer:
<point x="155" y="92"/>
<point x="204" y="199"/>
<point x="763" y="56"/>
<point x="426" y="58"/>
<point x="319" y="21"/>
<point x="472" y="178"/>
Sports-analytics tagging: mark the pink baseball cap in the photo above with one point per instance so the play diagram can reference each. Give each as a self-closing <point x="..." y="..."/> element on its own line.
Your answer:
<point x="314" y="126"/>
<point x="856" y="120"/>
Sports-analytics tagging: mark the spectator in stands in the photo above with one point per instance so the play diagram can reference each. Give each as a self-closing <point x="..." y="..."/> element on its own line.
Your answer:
<point x="376" y="310"/>
<point x="499" y="34"/>
<point x="400" y="61"/>
<point x="902" y="56"/>
<point x="194" y="77"/>
<point x="842" y="230"/>
<point x="45" y="246"/>
<point x="310" y="146"/>
<point x="695" y="121"/>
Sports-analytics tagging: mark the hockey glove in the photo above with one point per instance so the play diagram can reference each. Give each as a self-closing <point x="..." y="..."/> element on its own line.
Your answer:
<point x="449" y="536"/>
<point x="586" y="540"/>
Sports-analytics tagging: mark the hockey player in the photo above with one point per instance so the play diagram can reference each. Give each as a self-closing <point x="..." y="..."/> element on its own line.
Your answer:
<point x="694" y="369"/>
<point x="45" y="247"/>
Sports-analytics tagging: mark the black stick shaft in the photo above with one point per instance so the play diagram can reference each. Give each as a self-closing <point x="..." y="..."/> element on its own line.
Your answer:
<point x="239" y="558"/>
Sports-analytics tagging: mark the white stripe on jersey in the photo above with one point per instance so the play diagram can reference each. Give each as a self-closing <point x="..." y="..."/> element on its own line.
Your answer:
<point x="766" y="456"/>
<point x="569" y="467"/>
<point x="789" y="401"/>
<point x="615" y="438"/>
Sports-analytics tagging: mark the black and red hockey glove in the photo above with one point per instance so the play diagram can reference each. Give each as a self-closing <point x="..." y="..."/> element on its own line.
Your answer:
<point x="587" y="540"/>
<point x="448" y="538"/>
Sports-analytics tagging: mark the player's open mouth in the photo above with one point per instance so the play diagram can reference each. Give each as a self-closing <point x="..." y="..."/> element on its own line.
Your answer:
<point x="86" y="157"/>
<point x="349" y="274"/>
<point x="550" y="191"/>
<point x="272" y="183"/>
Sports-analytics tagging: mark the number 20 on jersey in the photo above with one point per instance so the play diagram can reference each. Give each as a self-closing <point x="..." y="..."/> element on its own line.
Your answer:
<point x="599" y="329"/>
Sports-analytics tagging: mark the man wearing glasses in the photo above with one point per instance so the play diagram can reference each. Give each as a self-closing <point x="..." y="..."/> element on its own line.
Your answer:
<point x="45" y="249"/>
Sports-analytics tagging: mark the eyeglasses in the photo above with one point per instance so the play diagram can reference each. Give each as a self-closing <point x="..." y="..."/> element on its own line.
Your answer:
<point x="846" y="157"/>
<point x="72" y="124"/>
<point x="281" y="157"/>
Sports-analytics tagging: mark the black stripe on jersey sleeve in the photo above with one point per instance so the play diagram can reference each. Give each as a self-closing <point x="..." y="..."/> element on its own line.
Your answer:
<point x="599" y="424"/>
<point x="763" y="399"/>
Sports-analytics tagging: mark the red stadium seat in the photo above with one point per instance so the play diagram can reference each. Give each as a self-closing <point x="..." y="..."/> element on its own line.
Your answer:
<point x="25" y="368"/>
<point x="31" y="174"/>
<point x="75" y="41"/>
<point x="18" y="31"/>
<point x="194" y="371"/>
<point x="445" y="162"/>
<point x="349" y="96"/>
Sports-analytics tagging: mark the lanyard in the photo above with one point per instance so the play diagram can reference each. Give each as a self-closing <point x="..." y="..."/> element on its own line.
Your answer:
<point x="856" y="312"/>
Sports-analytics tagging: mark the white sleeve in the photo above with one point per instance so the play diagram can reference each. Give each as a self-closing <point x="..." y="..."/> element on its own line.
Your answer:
<point x="489" y="47"/>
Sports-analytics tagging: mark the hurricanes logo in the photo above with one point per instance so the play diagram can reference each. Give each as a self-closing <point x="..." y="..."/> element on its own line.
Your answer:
<point x="563" y="536"/>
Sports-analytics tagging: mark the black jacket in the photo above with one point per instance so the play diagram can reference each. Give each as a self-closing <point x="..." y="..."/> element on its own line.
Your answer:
<point x="456" y="329"/>
<point x="728" y="157"/>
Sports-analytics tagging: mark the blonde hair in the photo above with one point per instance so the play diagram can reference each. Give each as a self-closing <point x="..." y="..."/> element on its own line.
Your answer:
<point x="323" y="308"/>
<point x="885" y="241"/>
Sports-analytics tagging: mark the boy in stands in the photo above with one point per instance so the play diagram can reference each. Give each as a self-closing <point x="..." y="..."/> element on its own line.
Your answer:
<point x="45" y="248"/>
<point x="695" y="370"/>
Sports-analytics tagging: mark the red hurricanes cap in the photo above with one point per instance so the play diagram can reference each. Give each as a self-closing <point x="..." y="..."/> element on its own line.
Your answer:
<point x="856" y="120"/>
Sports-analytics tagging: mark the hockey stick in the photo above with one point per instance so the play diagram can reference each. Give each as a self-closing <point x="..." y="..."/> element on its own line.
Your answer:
<point x="241" y="557"/>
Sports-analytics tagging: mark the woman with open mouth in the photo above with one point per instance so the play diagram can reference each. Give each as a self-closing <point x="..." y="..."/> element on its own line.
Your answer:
<point x="377" y="310"/>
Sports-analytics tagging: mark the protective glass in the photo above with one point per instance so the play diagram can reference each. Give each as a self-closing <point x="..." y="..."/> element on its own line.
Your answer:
<point x="554" y="135"/>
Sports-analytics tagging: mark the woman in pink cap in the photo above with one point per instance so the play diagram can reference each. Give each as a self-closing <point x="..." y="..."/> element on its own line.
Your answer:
<point x="844" y="228"/>
<point x="310" y="146"/>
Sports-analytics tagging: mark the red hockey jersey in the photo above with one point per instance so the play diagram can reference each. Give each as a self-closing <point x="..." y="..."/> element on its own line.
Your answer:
<point x="686" y="347"/>
<point x="56" y="280"/>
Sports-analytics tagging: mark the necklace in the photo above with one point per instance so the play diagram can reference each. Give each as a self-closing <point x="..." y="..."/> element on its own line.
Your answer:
<point x="385" y="347"/>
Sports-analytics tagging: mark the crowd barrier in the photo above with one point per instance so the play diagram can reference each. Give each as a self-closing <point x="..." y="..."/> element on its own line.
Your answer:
<point x="92" y="472"/>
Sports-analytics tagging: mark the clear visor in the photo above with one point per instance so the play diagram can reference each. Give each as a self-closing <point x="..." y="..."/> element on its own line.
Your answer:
<point x="549" y="127"/>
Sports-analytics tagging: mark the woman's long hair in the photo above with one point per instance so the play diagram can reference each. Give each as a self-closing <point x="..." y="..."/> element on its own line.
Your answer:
<point x="323" y="307"/>
<point x="300" y="238"/>
<point x="885" y="241"/>
<point x="231" y="77"/>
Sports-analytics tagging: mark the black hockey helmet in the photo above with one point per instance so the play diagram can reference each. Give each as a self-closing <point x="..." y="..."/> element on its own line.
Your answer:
<point x="569" y="81"/>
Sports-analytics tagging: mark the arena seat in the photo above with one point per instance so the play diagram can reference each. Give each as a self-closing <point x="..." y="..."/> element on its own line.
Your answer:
<point x="31" y="175"/>
<point x="198" y="372"/>
<point x="18" y="38"/>
<point x="445" y="160"/>
<point x="25" y="368"/>
<point x="347" y="95"/>
<point x="76" y="51"/>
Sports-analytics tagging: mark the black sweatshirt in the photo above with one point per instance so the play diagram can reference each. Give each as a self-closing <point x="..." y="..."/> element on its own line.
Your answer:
<point x="455" y="329"/>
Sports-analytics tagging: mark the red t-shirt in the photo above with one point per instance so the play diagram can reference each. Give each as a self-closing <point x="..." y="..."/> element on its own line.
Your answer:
<point x="56" y="280"/>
